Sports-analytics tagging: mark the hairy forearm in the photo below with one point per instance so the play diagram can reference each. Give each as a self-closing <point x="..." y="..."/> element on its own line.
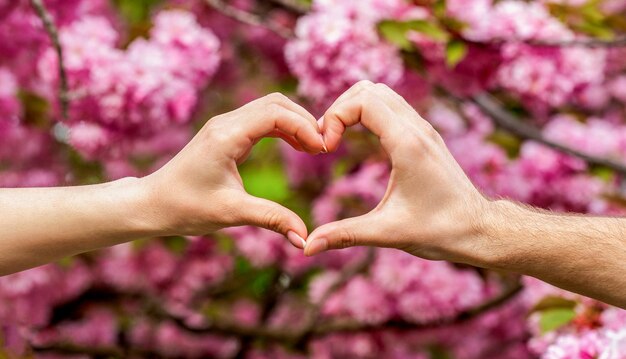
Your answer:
<point x="583" y="254"/>
<point x="39" y="225"/>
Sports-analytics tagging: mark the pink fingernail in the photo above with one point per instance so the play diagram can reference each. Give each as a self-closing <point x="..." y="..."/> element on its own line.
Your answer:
<point x="316" y="246"/>
<point x="296" y="240"/>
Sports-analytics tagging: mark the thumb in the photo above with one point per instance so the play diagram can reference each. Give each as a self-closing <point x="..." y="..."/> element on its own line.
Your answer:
<point x="271" y="215"/>
<point x="350" y="232"/>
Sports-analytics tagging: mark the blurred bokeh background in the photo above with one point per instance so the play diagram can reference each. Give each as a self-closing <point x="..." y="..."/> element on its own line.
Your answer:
<point x="529" y="96"/>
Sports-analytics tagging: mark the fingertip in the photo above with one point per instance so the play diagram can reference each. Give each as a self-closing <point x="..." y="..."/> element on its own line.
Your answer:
<point x="315" y="246"/>
<point x="331" y="140"/>
<point x="332" y="131"/>
<point x="296" y="239"/>
<point x="312" y="141"/>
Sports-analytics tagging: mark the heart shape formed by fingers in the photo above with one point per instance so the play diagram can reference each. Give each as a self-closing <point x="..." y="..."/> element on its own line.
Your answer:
<point x="425" y="182"/>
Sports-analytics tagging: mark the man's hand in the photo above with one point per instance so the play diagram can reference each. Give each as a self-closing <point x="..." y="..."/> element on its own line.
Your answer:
<point x="430" y="209"/>
<point x="200" y="190"/>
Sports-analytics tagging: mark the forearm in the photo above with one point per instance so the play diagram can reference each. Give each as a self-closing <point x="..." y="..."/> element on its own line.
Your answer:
<point x="583" y="254"/>
<point x="39" y="225"/>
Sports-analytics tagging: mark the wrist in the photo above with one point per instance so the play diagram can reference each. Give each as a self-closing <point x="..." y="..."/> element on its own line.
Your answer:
<point x="500" y="219"/>
<point x="138" y="202"/>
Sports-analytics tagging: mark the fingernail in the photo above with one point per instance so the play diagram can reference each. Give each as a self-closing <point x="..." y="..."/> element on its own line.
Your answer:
<point x="323" y="144"/>
<point x="316" y="246"/>
<point x="296" y="240"/>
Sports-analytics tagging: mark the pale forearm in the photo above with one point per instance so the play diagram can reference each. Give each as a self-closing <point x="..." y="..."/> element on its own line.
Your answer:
<point x="197" y="192"/>
<point x="583" y="254"/>
<point x="39" y="225"/>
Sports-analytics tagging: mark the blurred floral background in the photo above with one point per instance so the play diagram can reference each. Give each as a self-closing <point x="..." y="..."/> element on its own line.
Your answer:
<point x="530" y="97"/>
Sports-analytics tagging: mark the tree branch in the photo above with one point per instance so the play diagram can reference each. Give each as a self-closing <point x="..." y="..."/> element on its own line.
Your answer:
<point x="619" y="41"/>
<point x="281" y="335"/>
<point x="464" y="316"/>
<point x="314" y="317"/>
<point x="501" y="117"/>
<point x="280" y="283"/>
<point x="294" y="6"/>
<point x="248" y="18"/>
<point x="345" y="276"/>
<point x="53" y="34"/>
<point x="96" y="352"/>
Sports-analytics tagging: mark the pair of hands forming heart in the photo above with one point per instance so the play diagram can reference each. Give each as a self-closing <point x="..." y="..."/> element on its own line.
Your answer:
<point x="430" y="209"/>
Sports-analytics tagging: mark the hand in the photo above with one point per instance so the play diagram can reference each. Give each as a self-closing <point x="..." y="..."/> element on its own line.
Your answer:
<point x="430" y="209"/>
<point x="200" y="190"/>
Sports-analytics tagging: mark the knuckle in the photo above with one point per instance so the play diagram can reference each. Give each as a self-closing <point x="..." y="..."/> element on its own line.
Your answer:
<point x="214" y="122"/>
<point x="430" y="131"/>
<point x="272" y="220"/>
<point x="415" y="144"/>
<point x="276" y="98"/>
<point x="221" y="136"/>
<point x="364" y="85"/>
<point x="346" y="239"/>
<point x="382" y="87"/>
<point x="274" y="109"/>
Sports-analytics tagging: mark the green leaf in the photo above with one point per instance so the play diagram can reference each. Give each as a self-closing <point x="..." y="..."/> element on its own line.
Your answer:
<point x="396" y="31"/>
<point x="242" y="266"/>
<point x="66" y="262"/>
<point x="136" y="11"/>
<point x="439" y="352"/>
<point x="439" y="8"/>
<point x="553" y="302"/>
<point x="225" y="243"/>
<point x="35" y="109"/>
<point x="263" y="282"/>
<point x="176" y="244"/>
<point x="455" y="52"/>
<point x="553" y="319"/>
<point x="505" y="140"/>
<point x="605" y="174"/>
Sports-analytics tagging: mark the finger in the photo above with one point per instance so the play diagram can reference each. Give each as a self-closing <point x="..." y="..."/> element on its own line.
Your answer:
<point x="350" y="232"/>
<point x="291" y="105"/>
<point x="307" y="115"/>
<point x="290" y="140"/>
<point x="270" y="215"/>
<point x="363" y="104"/>
<point x="334" y="128"/>
<point x="402" y="108"/>
<point x="275" y="112"/>
<point x="395" y="101"/>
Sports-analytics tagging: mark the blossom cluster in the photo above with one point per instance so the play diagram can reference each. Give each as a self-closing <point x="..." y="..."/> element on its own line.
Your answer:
<point x="596" y="330"/>
<point x="125" y="96"/>
<point x="26" y="151"/>
<point x="133" y="95"/>
<point x="322" y="55"/>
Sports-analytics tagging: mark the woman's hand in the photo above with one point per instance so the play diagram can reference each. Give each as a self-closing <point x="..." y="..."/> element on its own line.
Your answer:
<point x="200" y="190"/>
<point x="430" y="209"/>
<point x="197" y="192"/>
